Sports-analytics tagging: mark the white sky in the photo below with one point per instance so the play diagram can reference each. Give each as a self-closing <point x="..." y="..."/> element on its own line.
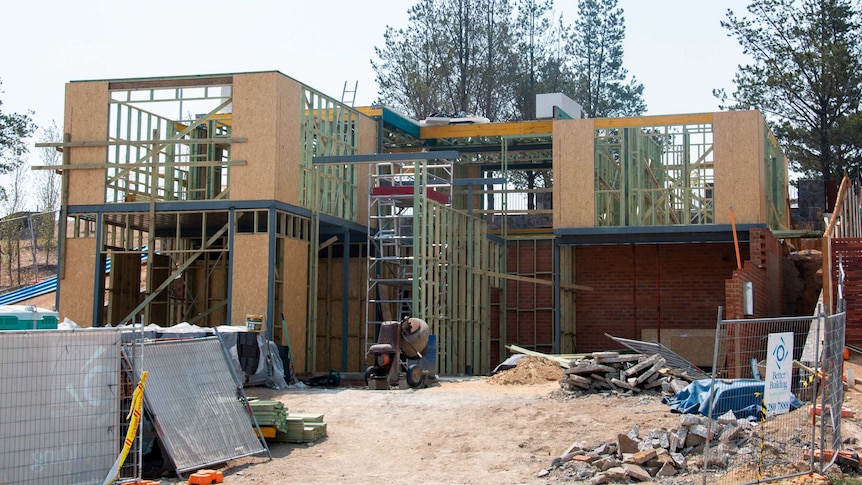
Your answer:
<point x="676" y="48"/>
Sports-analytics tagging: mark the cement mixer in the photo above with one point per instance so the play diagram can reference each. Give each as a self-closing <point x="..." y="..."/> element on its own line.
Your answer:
<point x="397" y="359"/>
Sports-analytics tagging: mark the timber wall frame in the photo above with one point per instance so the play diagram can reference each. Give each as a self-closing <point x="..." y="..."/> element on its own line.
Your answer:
<point x="227" y="191"/>
<point x="153" y="172"/>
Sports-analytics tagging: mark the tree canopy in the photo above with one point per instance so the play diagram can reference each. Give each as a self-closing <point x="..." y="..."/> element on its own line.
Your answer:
<point x="15" y="128"/>
<point x="805" y="75"/>
<point x="491" y="58"/>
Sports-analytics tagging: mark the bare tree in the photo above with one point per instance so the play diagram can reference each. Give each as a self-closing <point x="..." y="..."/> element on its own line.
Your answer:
<point x="14" y="224"/>
<point x="48" y="189"/>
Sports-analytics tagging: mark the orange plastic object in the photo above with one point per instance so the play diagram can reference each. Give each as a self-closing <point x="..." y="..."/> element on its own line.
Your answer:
<point x="200" y="479"/>
<point x="206" y="477"/>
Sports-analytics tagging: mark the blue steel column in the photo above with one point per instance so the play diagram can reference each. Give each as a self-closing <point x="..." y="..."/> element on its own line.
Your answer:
<point x="557" y="294"/>
<point x="99" y="286"/>
<point x="345" y="302"/>
<point x="230" y="233"/>
<point x="270" y="274"/>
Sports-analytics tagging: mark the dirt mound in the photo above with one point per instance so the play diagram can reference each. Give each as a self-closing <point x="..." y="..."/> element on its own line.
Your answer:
<point x="529" y="370"/>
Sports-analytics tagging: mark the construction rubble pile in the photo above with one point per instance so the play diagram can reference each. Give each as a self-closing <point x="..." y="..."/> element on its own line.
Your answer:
<point x="276" y="424"/>
<point x="612" y="371"/>
<point x="659" y="453"/>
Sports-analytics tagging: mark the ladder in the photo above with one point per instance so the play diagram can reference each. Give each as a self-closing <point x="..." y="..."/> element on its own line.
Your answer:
<point x="345" y="92"/>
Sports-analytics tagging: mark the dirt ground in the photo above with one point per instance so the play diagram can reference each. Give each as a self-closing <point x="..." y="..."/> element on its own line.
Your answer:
<point x="497" y="430"/>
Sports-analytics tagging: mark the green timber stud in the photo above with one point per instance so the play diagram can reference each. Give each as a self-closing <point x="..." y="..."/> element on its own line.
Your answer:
<point x="326" y="128"/>
<point x="776" y="182"/>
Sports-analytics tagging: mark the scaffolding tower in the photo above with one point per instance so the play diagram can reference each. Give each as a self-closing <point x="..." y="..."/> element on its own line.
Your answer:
<point x="399" y="260"/>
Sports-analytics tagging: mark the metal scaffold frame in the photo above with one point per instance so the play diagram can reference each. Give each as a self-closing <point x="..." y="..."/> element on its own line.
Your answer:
<point x="430" y="261"/>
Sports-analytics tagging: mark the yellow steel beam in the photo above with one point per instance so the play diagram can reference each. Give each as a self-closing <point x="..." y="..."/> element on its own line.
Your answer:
<point x="487" y="129"/>
<point x="369" y="111"/>
<point x="687" y="119"/>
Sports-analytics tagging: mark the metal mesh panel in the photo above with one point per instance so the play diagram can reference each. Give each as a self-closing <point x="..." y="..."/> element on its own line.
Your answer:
<point x="774" y="444"/>
<point x="59" y="408"/>
<point x="832" y="392"/>
<point x="194" y="401"/>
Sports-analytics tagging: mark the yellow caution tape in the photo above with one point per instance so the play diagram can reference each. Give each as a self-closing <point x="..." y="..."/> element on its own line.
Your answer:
<point x="135" y="415"/>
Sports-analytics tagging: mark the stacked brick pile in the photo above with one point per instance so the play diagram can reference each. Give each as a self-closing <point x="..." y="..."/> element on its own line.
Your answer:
<point x="612" y="371"/>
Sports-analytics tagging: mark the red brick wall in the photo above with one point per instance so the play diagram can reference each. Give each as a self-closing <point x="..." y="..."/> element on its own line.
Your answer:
<point x="657" y="286"/>
<point x="764" y="270"/>
<point x="850" y="252"/>
<point x="529" y="315"/>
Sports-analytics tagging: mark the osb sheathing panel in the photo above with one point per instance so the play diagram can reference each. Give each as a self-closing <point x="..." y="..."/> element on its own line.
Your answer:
<point x="295" y="298"/>
<point x="695" y="345"/>
<point x="76" y="288"/>
<point x="288" y="167"/>
<point x="739" y="167"/>
<point x="249" y="286"/>
<point x="330" y="310"/>
<point x="86" y="119"/>
<point x="574" y="195"/>
<point x="255" y="117"/>
<point x="367" y="144"/>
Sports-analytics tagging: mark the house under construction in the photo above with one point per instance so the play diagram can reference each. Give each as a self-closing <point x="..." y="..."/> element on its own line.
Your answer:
<point x="204" y="199"/>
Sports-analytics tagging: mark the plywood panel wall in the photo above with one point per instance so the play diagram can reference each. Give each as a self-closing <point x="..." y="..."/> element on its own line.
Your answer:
<point x="295" y="298"/>
<point x="255" y="115"/>
<point x="86" y="119"/>
<point x="739" y="167"/>
<point x="249" y="285"/>
<point x="76" y="288"/>
<point x="367" y="144"/>
<point x="574" y="194"/>
<point x="288" y="168"/>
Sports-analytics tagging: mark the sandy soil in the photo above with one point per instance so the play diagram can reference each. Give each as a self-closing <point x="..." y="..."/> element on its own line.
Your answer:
<point x="468" y="432"/>
<point x="498" y="430"/>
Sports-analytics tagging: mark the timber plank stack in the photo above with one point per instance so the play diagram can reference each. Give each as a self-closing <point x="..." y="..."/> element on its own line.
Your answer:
<point x="612" y="371"/>
<point x="276" y="424"/>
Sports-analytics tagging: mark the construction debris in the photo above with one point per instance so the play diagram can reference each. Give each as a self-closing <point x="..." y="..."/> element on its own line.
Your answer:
<point x="612" y="371"/>
<point x="276" y="424"/>
<point x="659" y="453"/>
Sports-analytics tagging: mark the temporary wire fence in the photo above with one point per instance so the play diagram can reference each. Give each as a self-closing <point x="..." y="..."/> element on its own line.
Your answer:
<point x="28" y="249"/>
<point x="60" y="410"/>
<point x="759" y="431"/>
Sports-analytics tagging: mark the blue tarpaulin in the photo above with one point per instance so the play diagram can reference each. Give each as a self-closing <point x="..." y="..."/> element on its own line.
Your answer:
<point x="742" y="396"/>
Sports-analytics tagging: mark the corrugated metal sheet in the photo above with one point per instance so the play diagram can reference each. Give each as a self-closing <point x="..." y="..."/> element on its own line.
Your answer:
<point x="32" y="291"/>
<point x="674" y="360"/>
<point x="193" y="397"/>
<point x="43" y="287"/>
<point x="59" y="406"/>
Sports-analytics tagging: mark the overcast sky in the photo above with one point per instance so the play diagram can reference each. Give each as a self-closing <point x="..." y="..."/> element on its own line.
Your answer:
<point x="676" y="48"/>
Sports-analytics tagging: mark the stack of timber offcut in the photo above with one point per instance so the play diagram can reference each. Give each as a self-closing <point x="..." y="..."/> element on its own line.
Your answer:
<point x="612" y="371"/>
<point x="276" y="424"/>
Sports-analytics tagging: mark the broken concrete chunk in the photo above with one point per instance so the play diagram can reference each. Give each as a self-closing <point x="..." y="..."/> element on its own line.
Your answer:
<point x="625" y="444"/>
<point x="641" y="457"/>
<point x="688" y="420"/>
<point x="606" y="463"/>
<point x="727" y="418"/>
<point x="699" y="430"/>
<point x="666" y="470"/>
<point x="679" y="459"/>
<point x="616" y="473"/>
<point x="730" y="433"/>
<point x="637" y="472"/>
